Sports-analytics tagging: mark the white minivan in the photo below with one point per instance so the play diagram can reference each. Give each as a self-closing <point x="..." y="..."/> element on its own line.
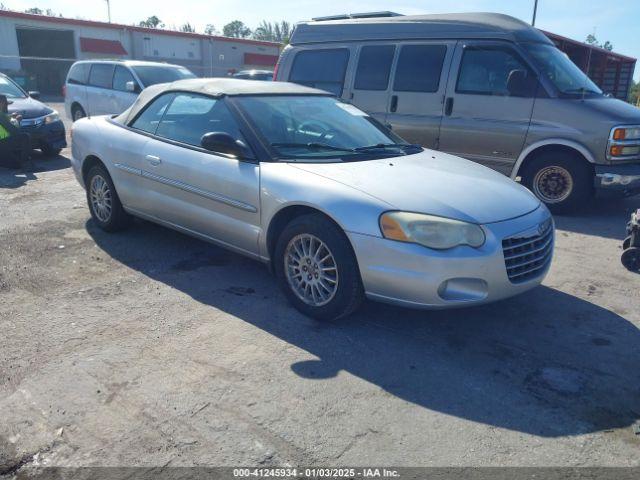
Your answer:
<point x="109" y="87"/>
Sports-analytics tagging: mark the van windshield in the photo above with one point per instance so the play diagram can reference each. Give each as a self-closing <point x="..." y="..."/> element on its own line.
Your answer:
<point x="154" y="74"/>
<point x="570" y="81"/>
<point x="318" y="128"/>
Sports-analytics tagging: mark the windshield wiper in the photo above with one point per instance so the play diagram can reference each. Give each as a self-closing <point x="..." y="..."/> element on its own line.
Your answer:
<point x="313" y="146"/>
<point x="379" y="146"/>
<point x="580" y="91"/>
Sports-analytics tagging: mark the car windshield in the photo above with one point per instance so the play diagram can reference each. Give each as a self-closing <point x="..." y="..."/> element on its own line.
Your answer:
<point x="10" y="89"/>
<point x="154" y="74"/>
<point x="563" y="73"/>
<point x="319" y="128"/>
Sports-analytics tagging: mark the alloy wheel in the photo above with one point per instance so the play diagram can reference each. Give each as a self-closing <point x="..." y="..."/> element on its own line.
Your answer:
<point x="553" y="184"/>
<point x="101" y="201"/>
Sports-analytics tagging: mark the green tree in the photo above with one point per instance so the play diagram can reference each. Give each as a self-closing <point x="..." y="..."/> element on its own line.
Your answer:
<point x="634" y="94"/>
<point x="210" y="29"/>
<point x="34" y="11"/>
<point x="152" y="22"/>
<point x="273" y="32"/>
<point x="236" y="29"/>
<point x="187" y="28"/>
<point x="592" y="40"/>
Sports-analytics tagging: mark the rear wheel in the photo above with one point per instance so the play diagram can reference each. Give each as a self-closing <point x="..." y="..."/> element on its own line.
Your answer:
<point x="77" y="113"/>
<point x="564" y="182"/>
<point x="317" y="269"/>
<point x="104" y="203"/>
<point x="631" y="259"/>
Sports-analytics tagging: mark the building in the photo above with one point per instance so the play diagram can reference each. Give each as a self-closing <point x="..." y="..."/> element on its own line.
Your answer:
<point x="38" y="50"/>
<point x="611" y="71"/>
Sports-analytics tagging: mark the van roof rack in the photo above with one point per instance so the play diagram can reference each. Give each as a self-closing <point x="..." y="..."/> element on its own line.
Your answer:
<point x="346" y="16"/>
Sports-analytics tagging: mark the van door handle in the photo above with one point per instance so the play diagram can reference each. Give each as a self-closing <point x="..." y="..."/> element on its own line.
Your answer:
<point x="394" y="103"/>
<point x="153" y="160"/>
<point x="448" y="106"/>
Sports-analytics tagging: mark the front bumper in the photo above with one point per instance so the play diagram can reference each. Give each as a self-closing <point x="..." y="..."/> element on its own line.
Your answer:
<point x="50" y="134"/>
<point x="618" y="179"/>
<point x="415" y="276"/>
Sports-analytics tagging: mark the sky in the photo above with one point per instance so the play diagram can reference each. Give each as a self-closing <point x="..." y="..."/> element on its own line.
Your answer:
<point x="616" y="21"/>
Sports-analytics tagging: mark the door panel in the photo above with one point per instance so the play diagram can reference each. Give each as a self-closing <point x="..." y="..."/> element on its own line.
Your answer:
<point x="371" y="84"/>
<point x="418" y="89"/>
<point x="488" y="112"/>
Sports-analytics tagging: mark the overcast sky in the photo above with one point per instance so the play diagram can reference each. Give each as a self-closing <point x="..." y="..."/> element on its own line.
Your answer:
<point x="616" y="21"/>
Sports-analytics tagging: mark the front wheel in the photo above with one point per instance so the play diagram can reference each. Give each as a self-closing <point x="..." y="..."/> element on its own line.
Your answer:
<point x="104" y="203"/>
<point x="562" y="181"/>
<point x="317" y="269"/>
<point x="77" y="113"/>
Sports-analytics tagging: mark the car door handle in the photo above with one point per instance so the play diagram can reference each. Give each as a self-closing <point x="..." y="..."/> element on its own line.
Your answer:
<point x="394" y="103"/>
<point x="448" y="106"/>
<point x="153" y="160"/>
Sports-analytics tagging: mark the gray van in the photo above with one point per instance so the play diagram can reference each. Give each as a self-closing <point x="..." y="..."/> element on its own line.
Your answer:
<point x="483" y="86"/>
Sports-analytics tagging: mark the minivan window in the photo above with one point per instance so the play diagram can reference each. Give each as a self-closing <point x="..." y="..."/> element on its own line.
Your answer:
<point x="419" y="68"/>
<point x="563" y="73"/>
<point x="374" y="67"/>
<point x="101" y="75"/>
<point x="79" y="74"/>
<point x="486" y="70"/>
<point x="149" y="119"/>
<point x="154" y="74"/>
<point x="190" y="116"/>
<point x="323" y="69"/>
<point x="121" y="77"/>
<point x="10" y="89"/>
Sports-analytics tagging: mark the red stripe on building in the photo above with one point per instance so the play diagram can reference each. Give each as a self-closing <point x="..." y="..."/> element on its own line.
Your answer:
<point x="260" y="59"/>
<point x="96" y="45"/>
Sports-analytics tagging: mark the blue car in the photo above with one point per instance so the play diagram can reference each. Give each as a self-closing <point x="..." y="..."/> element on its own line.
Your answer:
<point x="40" y="122"/>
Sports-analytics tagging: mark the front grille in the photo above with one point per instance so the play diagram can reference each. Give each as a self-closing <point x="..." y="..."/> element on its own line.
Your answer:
<point x="526" y="257"/>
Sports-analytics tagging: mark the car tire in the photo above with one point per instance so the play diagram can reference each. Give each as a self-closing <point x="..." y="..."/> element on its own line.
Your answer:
<point x="50" y="151"/>
<point x="317" y="268"/>
<point x="631" y="259"/>
<point x="77" y="113"/>
<point x="562" y="181"/>
<point x="626" y="243"/>
<point x="104" y="204"/>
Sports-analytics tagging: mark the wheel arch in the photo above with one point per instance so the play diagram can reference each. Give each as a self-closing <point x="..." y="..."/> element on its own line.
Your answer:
<point x="531" y="152"/>
<point x="88" y="163"/>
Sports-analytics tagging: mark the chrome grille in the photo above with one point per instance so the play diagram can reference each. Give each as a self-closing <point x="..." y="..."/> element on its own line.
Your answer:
<point x="526" y="257"/>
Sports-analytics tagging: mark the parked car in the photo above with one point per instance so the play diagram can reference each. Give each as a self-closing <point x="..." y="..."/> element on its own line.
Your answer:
<point x="486" y="87"/>
<point x="109" y="87"/>
<point x="339" y="206"/>
<point x="264" y="75"/>
<point x="41" y="122"/>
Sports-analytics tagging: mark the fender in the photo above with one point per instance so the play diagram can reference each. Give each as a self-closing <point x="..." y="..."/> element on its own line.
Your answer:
<point x="551" y="141"/>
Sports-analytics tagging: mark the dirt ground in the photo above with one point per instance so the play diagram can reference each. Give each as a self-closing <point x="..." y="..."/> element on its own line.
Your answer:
<point x="152" y="348"/>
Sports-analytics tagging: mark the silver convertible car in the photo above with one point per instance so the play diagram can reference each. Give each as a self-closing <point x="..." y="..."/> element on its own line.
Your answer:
<point x="335" y="203"/>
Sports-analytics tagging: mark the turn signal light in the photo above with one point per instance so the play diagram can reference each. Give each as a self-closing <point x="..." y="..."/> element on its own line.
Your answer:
<point x="620" y="134"/>
<point x="616" y="150"/>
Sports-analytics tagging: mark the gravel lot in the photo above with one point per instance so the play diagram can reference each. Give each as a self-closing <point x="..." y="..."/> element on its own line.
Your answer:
<point x="152" y="348"/>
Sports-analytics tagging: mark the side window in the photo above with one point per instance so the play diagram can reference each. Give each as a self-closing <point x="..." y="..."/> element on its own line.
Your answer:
<point x="79" y="74"/>
<point x="101" y="75"/>
<point x="121" y="77"/>
<point x="323" y="69"/>
<point x="493" y="71"/>
<point x="190" y="116"/>
<point x="374" y="66"/>
<point x="150" y="117"/>
<point x="419" y="68"/>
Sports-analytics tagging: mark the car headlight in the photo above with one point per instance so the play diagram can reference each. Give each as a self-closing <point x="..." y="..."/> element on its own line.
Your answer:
<point x="434" y="232"/>
<point x="52" y="117"/>
<point x="626" y="133"/>
<point x="624" y="142"/>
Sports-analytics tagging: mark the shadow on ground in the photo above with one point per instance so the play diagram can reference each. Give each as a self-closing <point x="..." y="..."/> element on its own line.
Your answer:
<point x="544" y="363"/>
<point x="16" y="178"/>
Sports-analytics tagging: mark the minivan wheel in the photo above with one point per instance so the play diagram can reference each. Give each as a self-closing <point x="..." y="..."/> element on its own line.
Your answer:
<point x="562" y="181"/>
<point x="104" y="203"/>
<point x="317" y="269"/>
<point x="78" y="113"/>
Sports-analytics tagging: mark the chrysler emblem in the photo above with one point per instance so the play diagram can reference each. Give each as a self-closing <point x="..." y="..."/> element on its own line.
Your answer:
<point x="544" y="227"/>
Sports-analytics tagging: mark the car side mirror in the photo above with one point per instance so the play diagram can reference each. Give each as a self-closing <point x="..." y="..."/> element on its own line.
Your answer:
<point x="222" y="142"/>
<point x="131" y="87"/>
<point x="521" y="83"/>
<point x="34" y="94"/>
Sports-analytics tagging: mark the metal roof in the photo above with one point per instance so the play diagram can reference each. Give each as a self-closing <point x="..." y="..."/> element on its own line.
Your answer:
<point x="446" y="26"/>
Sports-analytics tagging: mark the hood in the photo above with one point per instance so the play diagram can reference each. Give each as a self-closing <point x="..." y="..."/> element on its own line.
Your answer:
<point x="28" y="107"/>
<point x="617" y="111"/>
<point x="434" y="183"/>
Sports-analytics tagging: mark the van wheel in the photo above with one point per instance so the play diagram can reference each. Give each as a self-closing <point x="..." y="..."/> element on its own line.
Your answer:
<point x="564" y="182"/>
<point x="104" y="203"/>
<point x="317" y="269"/>
<point x="77" y="113"/>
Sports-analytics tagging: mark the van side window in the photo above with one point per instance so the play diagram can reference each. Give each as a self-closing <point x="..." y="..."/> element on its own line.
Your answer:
<point x="121" y="77"/>
<point x="419" y="68"/>
<point x="150" y="117"/>
<point x="79" y="74"/>
<point x="493" y="71"/>
<point x="323" y="69"/>
<point x="374" y="67"/>
<point x="101" y="75"/>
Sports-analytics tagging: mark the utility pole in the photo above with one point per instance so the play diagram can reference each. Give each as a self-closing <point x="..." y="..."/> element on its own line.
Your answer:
<point x="535" y="12"/>
<point x="109" y="9"/>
